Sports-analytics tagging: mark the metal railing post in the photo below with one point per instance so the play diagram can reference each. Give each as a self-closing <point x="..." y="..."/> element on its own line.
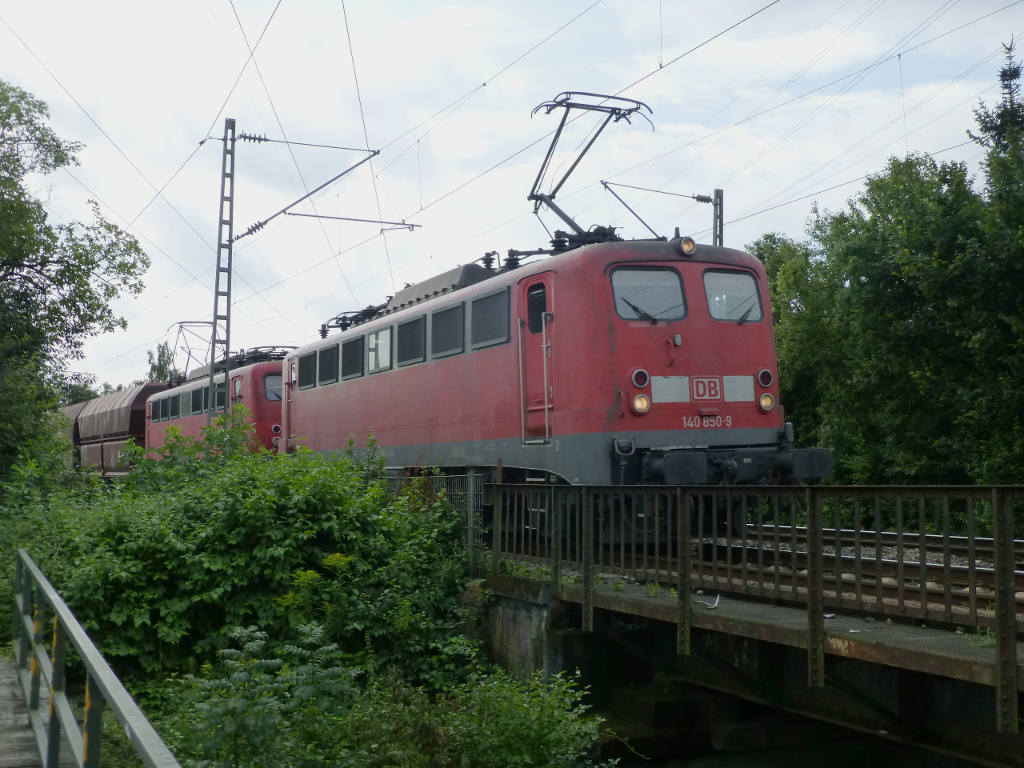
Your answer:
<point x="1005" y="618"/>
<point x="683" y="586"/>
<point x="23" y="592"/>
<point x="471" y="524"/>
<point x="498" y="524"/>
<point x="815" y="593"/>
<point x="587" y="498"/>
<point x="555" y="516"/>
<point x="92" y="728"/>
<point x="33" y="661"/>
<point x="56" y="690"/>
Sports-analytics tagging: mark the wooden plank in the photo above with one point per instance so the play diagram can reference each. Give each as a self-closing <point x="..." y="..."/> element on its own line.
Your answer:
<point x="17" y="745"/>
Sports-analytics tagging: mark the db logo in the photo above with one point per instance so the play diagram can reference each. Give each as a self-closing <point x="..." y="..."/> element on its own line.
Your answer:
<point x="706" y="388"/>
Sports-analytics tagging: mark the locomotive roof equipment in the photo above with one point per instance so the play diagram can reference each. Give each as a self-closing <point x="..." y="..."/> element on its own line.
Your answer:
<point x="614" y="108"/>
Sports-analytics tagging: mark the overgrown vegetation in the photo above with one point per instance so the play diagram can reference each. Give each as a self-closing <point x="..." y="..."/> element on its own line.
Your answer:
<point x="899" y="320"/>
<point x="289" y="611"/>
<point x="57" y="280"/>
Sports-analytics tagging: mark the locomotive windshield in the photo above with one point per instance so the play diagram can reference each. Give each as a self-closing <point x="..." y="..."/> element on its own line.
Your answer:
<point x="649" y="294"/>
<point x="732" y="296"/>
<point x="272" y="386"/>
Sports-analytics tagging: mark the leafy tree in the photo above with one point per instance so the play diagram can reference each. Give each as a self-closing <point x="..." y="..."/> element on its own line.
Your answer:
<point x="804" y="317"/>
<point x="57" y="280"/>
<point x="869" y="315"/>
<point x="77" y="389"/>
<point x="161" y="363"/>
<point x="1000" y="128"/>
<point x="898" y="259"/>
<point x="994" y="417"/>
<point x="900" y="321"/>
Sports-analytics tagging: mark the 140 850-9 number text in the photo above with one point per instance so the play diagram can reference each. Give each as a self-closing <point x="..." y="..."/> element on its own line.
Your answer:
<point x="706" y="422"/>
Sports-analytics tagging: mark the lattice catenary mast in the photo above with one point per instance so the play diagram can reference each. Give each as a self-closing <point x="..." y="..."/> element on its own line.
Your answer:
<point x="220" y="338"/>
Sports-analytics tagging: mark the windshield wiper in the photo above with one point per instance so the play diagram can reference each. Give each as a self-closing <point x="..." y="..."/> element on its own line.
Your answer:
<point x="743" y="318"/>
<point x="642" y="313"/>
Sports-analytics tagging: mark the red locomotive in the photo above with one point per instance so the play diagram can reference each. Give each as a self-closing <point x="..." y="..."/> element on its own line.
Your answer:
<point x="254" y="381"/>
<point x="101" y="428"/>
<point x="612" y="363"/>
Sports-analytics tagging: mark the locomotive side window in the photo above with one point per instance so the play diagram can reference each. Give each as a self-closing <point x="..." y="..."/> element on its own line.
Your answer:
<point x="272" y="386"/>
<point x="352" y="359"/>
<point x="165" y="408"/>
<point x="536" y="306"/>
<point x="732" y="296"/>
<point x="649" y="294"/>
<point x="411" y="341"/>
<point x="186" y="404"/>
<point x="197" y="400"/>
<point x="220" y="390"/>
<point x="328" y="365"/>
<point x="378" y="350"/>
<point x="307" y="371"/>
<point x="488" y="320"/>
<point x="206" y="399"/>
<point x="447" y="331"/>
<point x="173" y="406"/>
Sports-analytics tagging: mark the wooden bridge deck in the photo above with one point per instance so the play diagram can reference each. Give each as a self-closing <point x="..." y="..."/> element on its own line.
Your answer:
<point x="17" y="745"/>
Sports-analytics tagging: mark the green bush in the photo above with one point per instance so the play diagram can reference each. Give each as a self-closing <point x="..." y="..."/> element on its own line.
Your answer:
<point x="293" y="706"/>
<point x="214" y="535"/>
<point x="364" y="653"/>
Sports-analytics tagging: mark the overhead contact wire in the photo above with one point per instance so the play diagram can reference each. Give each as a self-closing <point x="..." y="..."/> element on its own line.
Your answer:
<point x="291" y="153"/>
<point x="366" y="137"/>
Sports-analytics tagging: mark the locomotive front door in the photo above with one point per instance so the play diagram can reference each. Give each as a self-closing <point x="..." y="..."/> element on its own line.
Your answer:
<point x="537" y="394"/>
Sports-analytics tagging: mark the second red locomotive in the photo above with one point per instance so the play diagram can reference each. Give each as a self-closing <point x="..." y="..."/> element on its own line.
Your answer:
<point x="254" y="380"/>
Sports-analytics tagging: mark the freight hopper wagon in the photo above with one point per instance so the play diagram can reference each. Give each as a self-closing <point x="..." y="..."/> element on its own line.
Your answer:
<point x="613" y="363"/>
<point x="101" y="428"/>
<point x="254" y="380"/>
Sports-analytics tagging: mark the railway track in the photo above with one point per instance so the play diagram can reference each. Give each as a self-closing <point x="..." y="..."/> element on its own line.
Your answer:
<point x="979" y="549"/>
<point x="930" y="577"/>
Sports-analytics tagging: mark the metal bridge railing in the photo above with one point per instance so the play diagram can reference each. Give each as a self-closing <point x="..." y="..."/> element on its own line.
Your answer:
<point x="953" y="555"/>
<point x="465" y="494"/>
<point x="41" y="668"/>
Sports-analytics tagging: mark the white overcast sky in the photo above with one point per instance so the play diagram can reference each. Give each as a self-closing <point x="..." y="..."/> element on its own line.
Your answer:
<point x="781" y="110"/>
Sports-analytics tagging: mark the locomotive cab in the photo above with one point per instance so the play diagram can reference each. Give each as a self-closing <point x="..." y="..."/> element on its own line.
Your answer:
<point x="694" y="358"/>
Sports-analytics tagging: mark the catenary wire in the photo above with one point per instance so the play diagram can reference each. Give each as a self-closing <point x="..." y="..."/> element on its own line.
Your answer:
<point x="529" y="146"/>
<point x="231" y="90"/>
<point x="366" y="137"/>
<point x="291" y="153"/>
<point x="806" y="94"/>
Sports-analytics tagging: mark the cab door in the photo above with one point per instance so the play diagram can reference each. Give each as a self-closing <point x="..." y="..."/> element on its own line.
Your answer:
<point x="536" y="359"/>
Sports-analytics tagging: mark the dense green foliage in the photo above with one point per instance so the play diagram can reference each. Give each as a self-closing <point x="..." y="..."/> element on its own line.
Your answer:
<point x="161" y="363"/>
<point x="57" y="280"/>
<point x="900" y="323"/>
<point x="299" y="705"/>
<point x="288" y="611"/>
